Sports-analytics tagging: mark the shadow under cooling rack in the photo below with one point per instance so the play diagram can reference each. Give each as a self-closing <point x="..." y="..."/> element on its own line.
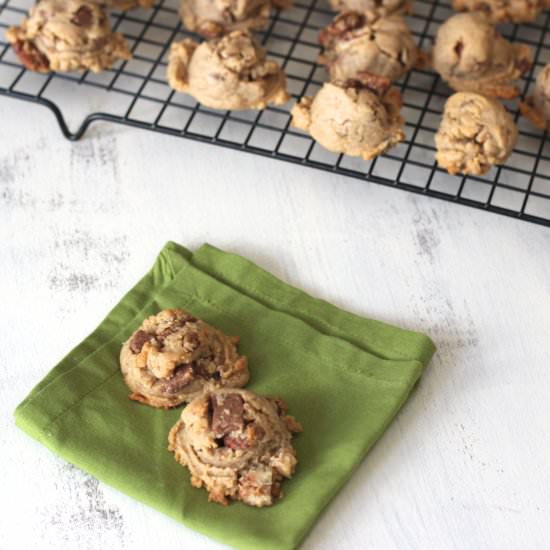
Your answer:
<point x="136" y="93"/>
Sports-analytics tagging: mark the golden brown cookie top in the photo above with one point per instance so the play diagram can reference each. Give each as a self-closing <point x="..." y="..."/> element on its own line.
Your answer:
<point x="125" y="5"/>
<point x="499" y="11"/>
<point x="214" y="18"/>
<point x="372" y="9"/>
<point x="471" y="55"/>
<point x="75" y="23"/>
<point x="542" y="92"/>
<point x="354" y="46"/>
<point x="537" y="107"/>
<point x="67" y="35"/>
<point x="227" y="73"/>
<point x="476" y="132"/>
<point x="358" y="118"/>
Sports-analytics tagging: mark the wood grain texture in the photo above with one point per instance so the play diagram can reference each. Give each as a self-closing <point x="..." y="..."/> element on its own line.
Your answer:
<point x="465" y="465"/>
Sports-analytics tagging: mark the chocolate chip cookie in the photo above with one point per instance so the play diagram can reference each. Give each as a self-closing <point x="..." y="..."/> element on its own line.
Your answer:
<point x="372" y="9"/>
<point x="172" y="355"/>
<point x="476" y="132"/>
<point x="236" y="444"/>
<point x="126" y="5"/>
<point x="67" y="35"/>
<point x="471" y="55"/>
<point x="358" y="118"/>
<point x="499" y="11"/>
<point x="537" y="107"/>
<point x="227" y="73"/>
<point x="354" y="46"/>
<point x="214" y="18"/>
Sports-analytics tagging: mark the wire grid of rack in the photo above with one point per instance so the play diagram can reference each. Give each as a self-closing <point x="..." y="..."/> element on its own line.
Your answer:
<point x="136" y="93"/>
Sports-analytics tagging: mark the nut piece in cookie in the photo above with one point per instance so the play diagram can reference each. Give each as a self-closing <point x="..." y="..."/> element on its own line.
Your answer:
<point x="472" y="56"/>
<point x="236" y="444"/>
<point x="172" y="355"/>
<point x="227" y="73"/>
<point x="214" y="18"/>
<point x="537" y="107"/>
<point x="500" y="11"/>
<point x="358" y="118"/>
<point x="67" y="35"/>
<point x="354" y="46"/>
<point x="476" y="132"/>
<point x="373" y="9"/>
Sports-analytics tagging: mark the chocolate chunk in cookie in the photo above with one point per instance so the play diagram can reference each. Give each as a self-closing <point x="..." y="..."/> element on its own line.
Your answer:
<point x="182" y="376"/>
<point x="138" y="340"/>
<point x="83" y="17"/>
<point x="227" y="414"/>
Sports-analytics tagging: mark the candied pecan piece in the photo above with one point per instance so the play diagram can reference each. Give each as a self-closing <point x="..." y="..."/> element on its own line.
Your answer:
<point x="372" y="82"/>
<point x="341" y="27"/>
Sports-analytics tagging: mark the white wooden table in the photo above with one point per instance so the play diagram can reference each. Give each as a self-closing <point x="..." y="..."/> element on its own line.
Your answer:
<point x="467" y="462"/>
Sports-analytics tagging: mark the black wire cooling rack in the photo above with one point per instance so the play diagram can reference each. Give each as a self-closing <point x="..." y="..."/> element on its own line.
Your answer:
<point x="136" y="93"/>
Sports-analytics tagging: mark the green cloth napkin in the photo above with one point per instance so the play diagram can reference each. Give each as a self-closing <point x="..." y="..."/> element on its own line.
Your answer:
<point x="343" y="376"/>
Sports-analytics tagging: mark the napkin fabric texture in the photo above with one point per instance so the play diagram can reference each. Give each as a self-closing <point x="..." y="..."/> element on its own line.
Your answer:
<point x="343" y="376"/>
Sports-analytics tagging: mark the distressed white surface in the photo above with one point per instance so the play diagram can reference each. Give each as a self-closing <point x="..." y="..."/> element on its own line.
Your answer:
<point x="466" y="464"/>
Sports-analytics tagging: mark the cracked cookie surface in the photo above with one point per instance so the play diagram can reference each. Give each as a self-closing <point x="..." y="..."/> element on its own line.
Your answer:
<point x="476" y="132"/>
<point x="236" y="444"/>
<point x="67" y="35"/>
<point x="537" y="107"/>
<point x="227" y="73"/>
<point x="214" y="18"/>
<point x="353" y="46"/>
<point x="356" y="118"/>
<point x="471" y="55"/>
<point x="172" y="355"/>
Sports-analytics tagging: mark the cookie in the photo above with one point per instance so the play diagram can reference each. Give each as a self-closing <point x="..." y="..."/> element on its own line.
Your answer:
<point x="227" y="73"/>
<point x="373" y="9"/>
<point x="172" y="355"/>
<point x="476" y="132"/>
<point x="472" y="56"/>
<point x="236" y="444"/>
<point x="214" y="18"/>
<point x="500" y="11"/>
<point x="354" y="46"/>
<point x="356" y="118"/>
<point x="126" y="5"/>
<point x="537" y="107"/>
<point x="67" y="35"/>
